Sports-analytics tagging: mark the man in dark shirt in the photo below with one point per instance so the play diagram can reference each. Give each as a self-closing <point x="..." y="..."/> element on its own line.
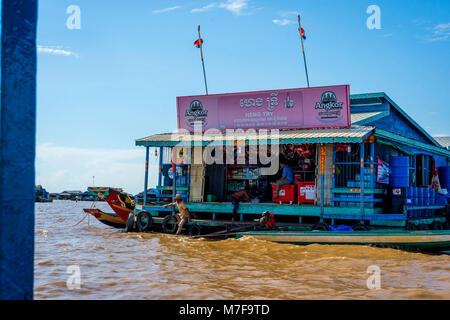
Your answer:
<point x="238" y="196"/>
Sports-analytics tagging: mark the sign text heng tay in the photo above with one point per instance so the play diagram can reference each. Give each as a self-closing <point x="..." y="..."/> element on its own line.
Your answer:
<point x="319" y="107"/>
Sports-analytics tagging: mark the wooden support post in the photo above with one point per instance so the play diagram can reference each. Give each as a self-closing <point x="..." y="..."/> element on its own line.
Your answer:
<point x="373" y="178"/>
<point x="146" y="175"/>
<point x="174" y="180"/>
<point x="362" y="180"/>
<point x="322" y="180"/>
<point x="17" y="148"/>
<point x="160" y="166"/>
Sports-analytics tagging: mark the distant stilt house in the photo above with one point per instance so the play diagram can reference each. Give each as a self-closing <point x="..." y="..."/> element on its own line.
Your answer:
<point x="69" y="195"/>
<point x="42" y="195"/>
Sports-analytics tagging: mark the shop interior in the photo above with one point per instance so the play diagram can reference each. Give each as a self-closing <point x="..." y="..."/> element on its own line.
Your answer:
<point x="222" y="180"/>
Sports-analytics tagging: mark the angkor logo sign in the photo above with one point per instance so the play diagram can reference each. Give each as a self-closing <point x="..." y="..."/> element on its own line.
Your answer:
<point x="196" y="114"/>
<point x="329" y="107"/>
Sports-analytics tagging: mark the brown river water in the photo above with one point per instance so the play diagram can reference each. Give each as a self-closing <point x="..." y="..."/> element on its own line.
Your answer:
<point x="117" y="265"/>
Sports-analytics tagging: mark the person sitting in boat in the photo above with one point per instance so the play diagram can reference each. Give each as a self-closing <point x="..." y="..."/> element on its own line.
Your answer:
<point x="239" y="196"/>
<point x="184" y="214"/>
<point x="287" y="176"/>
<point x="268" y="220"/>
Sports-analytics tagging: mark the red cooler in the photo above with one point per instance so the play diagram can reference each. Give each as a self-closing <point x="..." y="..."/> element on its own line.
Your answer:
<point x="286" y="193"/>
<point x="306" y="192"/>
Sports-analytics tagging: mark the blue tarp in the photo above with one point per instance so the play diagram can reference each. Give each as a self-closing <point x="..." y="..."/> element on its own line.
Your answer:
<point x="341" y="228"/>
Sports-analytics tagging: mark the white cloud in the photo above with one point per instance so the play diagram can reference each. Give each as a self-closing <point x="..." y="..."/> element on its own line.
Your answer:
<point x="282" y="22"/>
<point x="60" y="168"/>
<point x="235" y="6"/>
<point x="166" y="9"/>
<point x="441" y="32"/>
<point x="288" y="13"/>
<point x="56" y="51"/>
<point x="204" y="8"/>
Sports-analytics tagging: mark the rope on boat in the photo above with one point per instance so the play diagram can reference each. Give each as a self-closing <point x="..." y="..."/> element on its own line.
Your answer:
<point x="80" y="221"/>
<point x="223" y="232"/>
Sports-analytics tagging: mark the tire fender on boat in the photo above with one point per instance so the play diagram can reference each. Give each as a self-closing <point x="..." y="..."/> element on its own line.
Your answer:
<point x="320" y="226"/>
<point x="129" y="226"/>
<point x="144" y="221"/>
<point x="169" y="224"/>
<point x="195" y="229"/>
<point x="360" y="227"/>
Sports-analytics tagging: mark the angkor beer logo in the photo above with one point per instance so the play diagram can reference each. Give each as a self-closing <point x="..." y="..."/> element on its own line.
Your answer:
<point x="329" y="107"/>
<point x="196" y="113"/>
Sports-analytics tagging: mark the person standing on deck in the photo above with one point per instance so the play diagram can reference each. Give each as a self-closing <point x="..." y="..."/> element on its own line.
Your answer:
<point x="238" y="196"/>
<point x="184" y="214"/>
<point x="287" y="176"/>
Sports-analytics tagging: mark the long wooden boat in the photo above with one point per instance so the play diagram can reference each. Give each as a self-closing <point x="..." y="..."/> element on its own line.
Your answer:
<point x="121" y="203"/>
<point x="110" y="219"/>
<point x="435" y="240"/>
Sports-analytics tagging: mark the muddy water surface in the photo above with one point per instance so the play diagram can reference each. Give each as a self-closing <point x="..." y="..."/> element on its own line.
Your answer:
<point x="117" y="265"/>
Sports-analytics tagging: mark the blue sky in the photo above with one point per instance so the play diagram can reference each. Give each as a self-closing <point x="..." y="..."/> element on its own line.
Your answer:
<point x="117" y="77"/>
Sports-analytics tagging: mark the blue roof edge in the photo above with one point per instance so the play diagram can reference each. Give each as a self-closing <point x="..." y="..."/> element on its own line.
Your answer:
<point x="395" y="105"/>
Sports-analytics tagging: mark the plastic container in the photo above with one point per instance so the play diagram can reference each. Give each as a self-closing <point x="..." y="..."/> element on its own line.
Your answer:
<point x="286" y="193"/>
<point x="399" y="172"/>
<point x="415" y="196"/>
<point x="420" y="201"/>
<point x="397" y="198"/>
<point x="410" y="196"/>
<point x="306" y="192"/>
<point x="432" y="197"/>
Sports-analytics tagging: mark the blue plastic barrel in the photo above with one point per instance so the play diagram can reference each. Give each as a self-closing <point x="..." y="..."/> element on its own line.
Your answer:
<point x="426" y="196"/>
<point x="410" y="196"/>
<point x="444" y="177"/>
<point x="420" y="196"/>
<point x="415" y="196"/>
<point x="432" y="197"/>
<point x="399" y="171"/>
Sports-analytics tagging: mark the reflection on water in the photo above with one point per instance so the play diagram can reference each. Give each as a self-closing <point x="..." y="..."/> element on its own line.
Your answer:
<point x="116" y="265"/>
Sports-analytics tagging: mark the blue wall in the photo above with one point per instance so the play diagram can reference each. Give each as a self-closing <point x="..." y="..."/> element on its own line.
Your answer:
<point x="17" y="148"/>
<point x="396" y="123"/>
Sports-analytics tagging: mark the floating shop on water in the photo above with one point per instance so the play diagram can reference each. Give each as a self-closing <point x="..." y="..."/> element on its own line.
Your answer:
<point x="359" y="160"/>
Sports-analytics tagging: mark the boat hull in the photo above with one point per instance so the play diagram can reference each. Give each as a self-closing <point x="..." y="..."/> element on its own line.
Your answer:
<point x="419" y="240"/>
<point x="121" y="203"/>
<point x="110" y="219"/>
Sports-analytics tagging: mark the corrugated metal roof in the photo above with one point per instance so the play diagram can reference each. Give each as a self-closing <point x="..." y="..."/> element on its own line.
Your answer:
<point x="443" y="141"/>
<point x="362" y="116"/>
<point x="330" y="135"/>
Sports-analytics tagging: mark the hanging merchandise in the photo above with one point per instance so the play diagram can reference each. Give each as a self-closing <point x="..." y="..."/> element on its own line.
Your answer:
<point x="382" y="172"/>
<point x="435" y="183"/>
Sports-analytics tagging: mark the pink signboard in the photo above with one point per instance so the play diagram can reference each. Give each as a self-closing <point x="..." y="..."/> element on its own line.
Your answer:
<point x="319" y="107"/>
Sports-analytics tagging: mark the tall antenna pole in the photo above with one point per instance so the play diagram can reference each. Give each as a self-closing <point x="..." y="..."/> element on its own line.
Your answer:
<point x="200" y="42"/>
<point x="303" y="49"/>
